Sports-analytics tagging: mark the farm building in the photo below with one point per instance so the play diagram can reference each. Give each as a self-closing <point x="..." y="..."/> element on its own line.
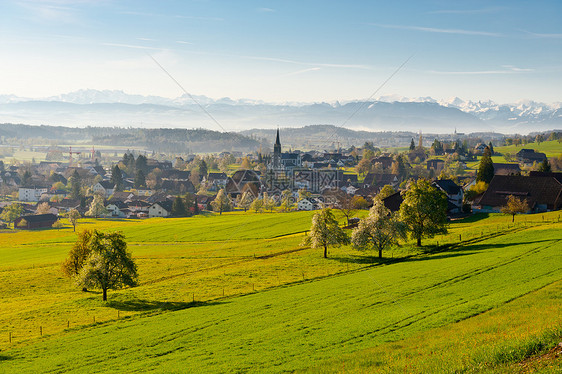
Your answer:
<point x="529" y="156"/>
<point x="542" y="193"/>
<point x="393" y="202"/>
<point x="38" y="221"/>
<point x="506" y="169"/>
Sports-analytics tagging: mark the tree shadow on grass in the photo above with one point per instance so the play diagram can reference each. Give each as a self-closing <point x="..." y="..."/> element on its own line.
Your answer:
<point x="476" y="247"/>
<point x="138" y="305"/>
<point x="431" y="252"/>
<point x="474" y="218"/>
<point x="375" y="260"/>
<point x="362" y="260"/>
<point x="5" y="358"/>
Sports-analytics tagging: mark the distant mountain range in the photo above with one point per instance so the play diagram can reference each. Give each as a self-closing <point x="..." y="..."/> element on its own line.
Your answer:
<point x="388" y="113"/>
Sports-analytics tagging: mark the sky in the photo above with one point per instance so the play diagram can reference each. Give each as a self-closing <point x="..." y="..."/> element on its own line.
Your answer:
<point x="284" y="51"/>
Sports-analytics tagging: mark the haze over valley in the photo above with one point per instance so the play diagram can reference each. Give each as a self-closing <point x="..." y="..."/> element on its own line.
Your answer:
<point x="116" y="108"/>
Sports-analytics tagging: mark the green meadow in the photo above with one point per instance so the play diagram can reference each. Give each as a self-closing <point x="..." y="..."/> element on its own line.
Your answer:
<point x="551" y="148"/>
<point x="237" y="293"/>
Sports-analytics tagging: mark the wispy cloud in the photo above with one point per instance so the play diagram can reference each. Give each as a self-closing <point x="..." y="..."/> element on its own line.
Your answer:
<point x="543" y="35"/>
<point x="468" y="11"/>
<point x="49" y="11"/>
<point x="144" y="14"/>
<point x="183" y="42"/>
<point x="130" y="46"/>
<point x="300" y="72"/>
<point x="438" y="30"/>
<point x="266" y="10"/>
<point x="200" y="18"/>
<point x="61" y="11"/>
<point x="146" y="39"/>
<point x="506" y="69"/>
<point x="516" y="69"/>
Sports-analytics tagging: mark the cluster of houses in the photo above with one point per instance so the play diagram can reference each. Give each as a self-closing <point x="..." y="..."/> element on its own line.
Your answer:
<point x="318" y="174"/>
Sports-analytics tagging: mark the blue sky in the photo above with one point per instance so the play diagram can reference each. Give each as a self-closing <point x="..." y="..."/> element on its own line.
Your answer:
<point x="284" y="51"/>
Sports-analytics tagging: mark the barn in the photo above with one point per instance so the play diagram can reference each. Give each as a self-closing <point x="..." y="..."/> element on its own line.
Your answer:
<point x="38" y="221"/>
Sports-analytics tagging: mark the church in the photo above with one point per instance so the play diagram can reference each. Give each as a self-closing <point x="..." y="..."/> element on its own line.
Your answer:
<point x="285" y="171"/>
<point x="283" y="161"/>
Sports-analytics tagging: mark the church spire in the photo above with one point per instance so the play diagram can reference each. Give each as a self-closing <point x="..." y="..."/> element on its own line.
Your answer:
<point x="277" y="152"/>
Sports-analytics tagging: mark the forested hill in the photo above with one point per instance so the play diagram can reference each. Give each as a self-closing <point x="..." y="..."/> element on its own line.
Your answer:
<point x="175" y="140"/>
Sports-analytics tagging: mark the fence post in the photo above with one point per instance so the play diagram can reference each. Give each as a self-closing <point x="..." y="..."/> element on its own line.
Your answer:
<point x="68" y="324"/>
<point x="41" y="330"/>
<point x="10" y="337"/>
<point x="94" y="319"/>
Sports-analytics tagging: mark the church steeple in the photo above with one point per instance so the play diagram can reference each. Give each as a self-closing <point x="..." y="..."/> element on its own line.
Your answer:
<point x="277" y="152"/>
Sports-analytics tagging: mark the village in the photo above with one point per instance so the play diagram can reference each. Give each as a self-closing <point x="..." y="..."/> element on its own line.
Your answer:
<point x="145" y="187"/>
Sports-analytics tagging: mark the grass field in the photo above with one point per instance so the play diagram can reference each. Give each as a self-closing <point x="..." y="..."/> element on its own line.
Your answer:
<point x="551" y="148"/>
<point x="284" y="307"/>
<point x="499" y="341"/>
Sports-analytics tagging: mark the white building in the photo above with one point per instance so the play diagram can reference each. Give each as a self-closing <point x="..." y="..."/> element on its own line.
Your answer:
<point x="308" y="204"/>
<point x="106" y="188"/>
<point x="116" y="209"/>
<point x="160" y="209"/>
<point x="31" y="194"/>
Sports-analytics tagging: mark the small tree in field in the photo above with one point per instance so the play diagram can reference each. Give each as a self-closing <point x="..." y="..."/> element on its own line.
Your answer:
<point x="424" y="210"/>
<point x="257" y="205"/>
<point x="109" y="264"/>
<point x="286" y="200"/>
<point x="269" y="203"/>
<point x="221" y="203"/>
<point x="73" y="217"/>
<point x="514" y="206"/>
<point x="325" y="232"/>
<point x="77" y="256"/>
<point x="245" y="201"/>
<point x="11" y="212"/>
<point x="378" y="230"/>
<point x="96" y="207"/>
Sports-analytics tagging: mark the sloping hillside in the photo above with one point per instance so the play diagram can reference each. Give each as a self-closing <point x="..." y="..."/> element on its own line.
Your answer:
<point x="298" y="326"/>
